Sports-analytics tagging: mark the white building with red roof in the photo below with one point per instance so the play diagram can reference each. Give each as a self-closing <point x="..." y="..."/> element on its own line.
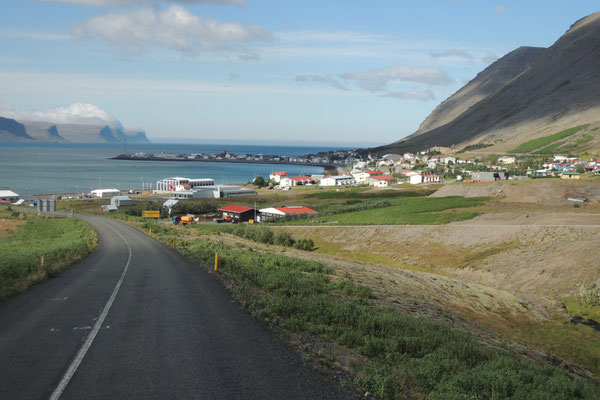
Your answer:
<point x="278" y="212"/>
<point x="363" y="177"/>
<point x="276" y="176"/>
<point x="297" y="181"/>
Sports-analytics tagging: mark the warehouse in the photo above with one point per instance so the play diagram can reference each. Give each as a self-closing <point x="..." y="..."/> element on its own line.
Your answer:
<point x="105" y="192"/>
<point x="121" y="201"/>
<point x="7" y="195"/>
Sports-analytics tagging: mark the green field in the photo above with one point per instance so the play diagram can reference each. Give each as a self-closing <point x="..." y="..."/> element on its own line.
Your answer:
<point x="403" y="211"/>
<point x="60" y="241"/>
<point x="400" y="355"/>
<point x="534" y="144"/>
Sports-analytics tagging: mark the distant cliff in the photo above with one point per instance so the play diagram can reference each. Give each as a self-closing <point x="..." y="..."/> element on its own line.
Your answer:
<point x="40" y="131"/>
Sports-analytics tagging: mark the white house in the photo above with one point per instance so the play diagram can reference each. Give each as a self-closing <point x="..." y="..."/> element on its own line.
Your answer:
<point x="448" y="159"/>
<point x="338" y="180"/>
<point x="382" y="180"/>
<point x="363" y="177"/>
<point x="105" y="192"/>
<point x="277" y="176"/>
<point x="424" y="178"/>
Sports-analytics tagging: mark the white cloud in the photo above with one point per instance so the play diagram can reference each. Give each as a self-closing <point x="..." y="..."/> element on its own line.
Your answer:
<point x="377" y="79"/>
<point x="104" y="3"/>
<point x="76" y="113"/>
<point x="500" y="9"/>
<point x="414" y="94"/>
<point x="489" y="58"/>
<point x="453" y="53"/>
<point x="173" y="28"/>
<point x="322" y="78"/>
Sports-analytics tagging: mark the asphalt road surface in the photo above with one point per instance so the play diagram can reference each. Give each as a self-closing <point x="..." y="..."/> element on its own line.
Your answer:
<point x="136" y="320"/>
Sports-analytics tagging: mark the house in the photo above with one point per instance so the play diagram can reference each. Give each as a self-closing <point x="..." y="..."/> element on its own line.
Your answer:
<point x="448" y="160"/>
<point x="507" y="160"/>
<point x="7" y="195"/>
<point x="121" y="201"/>
<point x="338" y="180"/>
<point x="276" y="176"/>
<point x="105" y="192"/>
<point x="570" y="175"/>
<point x="424" y="178"/>
<point x="277" y="212"/>
<point x="297" y="181"/>
<point x="382" y="181"/>
<point x="363" y="177"/>
<point x="238" y="213"/>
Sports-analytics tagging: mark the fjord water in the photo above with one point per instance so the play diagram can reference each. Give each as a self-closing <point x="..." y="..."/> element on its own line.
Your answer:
<point x="46" y="168"/>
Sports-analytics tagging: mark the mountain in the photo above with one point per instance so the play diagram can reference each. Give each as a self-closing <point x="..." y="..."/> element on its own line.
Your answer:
<point x="12" y="131"/>
<point x="485" y="84"/>
<point x="40" y="131"/>
<point x="549" y="91"/>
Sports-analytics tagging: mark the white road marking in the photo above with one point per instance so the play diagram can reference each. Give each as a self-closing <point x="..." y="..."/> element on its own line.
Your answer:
<point x="82" y="328"/>
<point x="59" y="298"/>
<point x="90" y="338"/>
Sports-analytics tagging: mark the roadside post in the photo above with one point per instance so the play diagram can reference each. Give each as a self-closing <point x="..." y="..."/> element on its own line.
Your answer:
<point x="42" y="261"/>
<point x="216" y="261"/>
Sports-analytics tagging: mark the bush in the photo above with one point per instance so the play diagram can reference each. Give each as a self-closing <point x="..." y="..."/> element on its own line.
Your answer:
<point x="305" y="244"/>
<point x="284" y="238"/>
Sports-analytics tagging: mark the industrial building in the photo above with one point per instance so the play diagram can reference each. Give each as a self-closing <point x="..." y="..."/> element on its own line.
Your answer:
<point x="180" y="183"/>
<point x="7" y="195"/>
<point x="105" y="192"/>
<point x="121" y="201"/>
<point x="212" y="192"/>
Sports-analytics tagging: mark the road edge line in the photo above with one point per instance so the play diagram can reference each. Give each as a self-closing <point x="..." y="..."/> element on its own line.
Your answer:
<point x="90" y="338"/>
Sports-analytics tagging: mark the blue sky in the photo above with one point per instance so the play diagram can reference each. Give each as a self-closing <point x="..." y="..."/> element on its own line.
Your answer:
<point x="346" y="73"/>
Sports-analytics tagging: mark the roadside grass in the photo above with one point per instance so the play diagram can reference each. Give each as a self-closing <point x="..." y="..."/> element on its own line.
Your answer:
<point x="576" y="343"/>
<point x="410" y="211"/>
<point x="534" y="144"/>
<point x="61" y="242"/>
<point x="405" y="355"/>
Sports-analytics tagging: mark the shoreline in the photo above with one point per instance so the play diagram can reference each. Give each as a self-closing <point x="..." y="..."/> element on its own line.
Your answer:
<point x="233" y="161"/>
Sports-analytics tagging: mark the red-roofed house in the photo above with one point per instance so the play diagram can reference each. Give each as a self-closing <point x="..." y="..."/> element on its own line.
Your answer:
<point x="276" y="176"/>
<point x="382" y="180"/>
<point x="297" y="181"/>
<point x="277" y="212"/>
<point x="237" y="213"/>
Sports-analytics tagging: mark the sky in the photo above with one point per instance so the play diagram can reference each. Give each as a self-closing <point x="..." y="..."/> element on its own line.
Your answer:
<point x="337" y="72"/>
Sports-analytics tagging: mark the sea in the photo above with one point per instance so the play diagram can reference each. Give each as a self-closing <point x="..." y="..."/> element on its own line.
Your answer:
<point x="59" y="168"/>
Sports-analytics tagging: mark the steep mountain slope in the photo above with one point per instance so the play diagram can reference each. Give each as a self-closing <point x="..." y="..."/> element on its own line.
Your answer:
<point x="561" y="89"/>
<point x="13" y="131"/>
<point x="486" y="83"/>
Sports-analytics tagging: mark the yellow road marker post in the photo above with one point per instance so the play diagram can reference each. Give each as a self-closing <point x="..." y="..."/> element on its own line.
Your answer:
<point x="216" y="261"/>
<point x="42" y="261"/>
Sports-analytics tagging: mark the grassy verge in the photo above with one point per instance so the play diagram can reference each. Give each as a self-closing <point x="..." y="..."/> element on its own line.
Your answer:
<point x="534" y="144"/>
<point x="578" y="308"/>
<point x="403" y="355"/>
<point x="61" y="242"/>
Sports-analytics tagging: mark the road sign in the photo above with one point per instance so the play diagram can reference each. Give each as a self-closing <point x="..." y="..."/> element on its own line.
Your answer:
<point x="151" y="214"/>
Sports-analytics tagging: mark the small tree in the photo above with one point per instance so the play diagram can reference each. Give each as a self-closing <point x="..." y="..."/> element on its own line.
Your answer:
<point x="260" y="181"/>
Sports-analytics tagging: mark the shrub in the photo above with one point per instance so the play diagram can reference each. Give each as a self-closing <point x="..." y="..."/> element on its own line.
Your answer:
<point x="305" y="244"/>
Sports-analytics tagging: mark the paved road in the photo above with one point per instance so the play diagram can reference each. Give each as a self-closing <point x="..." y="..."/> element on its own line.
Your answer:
<point x="171" y="332"/>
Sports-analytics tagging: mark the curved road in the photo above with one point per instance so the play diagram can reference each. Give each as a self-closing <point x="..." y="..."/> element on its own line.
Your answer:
<point x="136" y="320"/>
